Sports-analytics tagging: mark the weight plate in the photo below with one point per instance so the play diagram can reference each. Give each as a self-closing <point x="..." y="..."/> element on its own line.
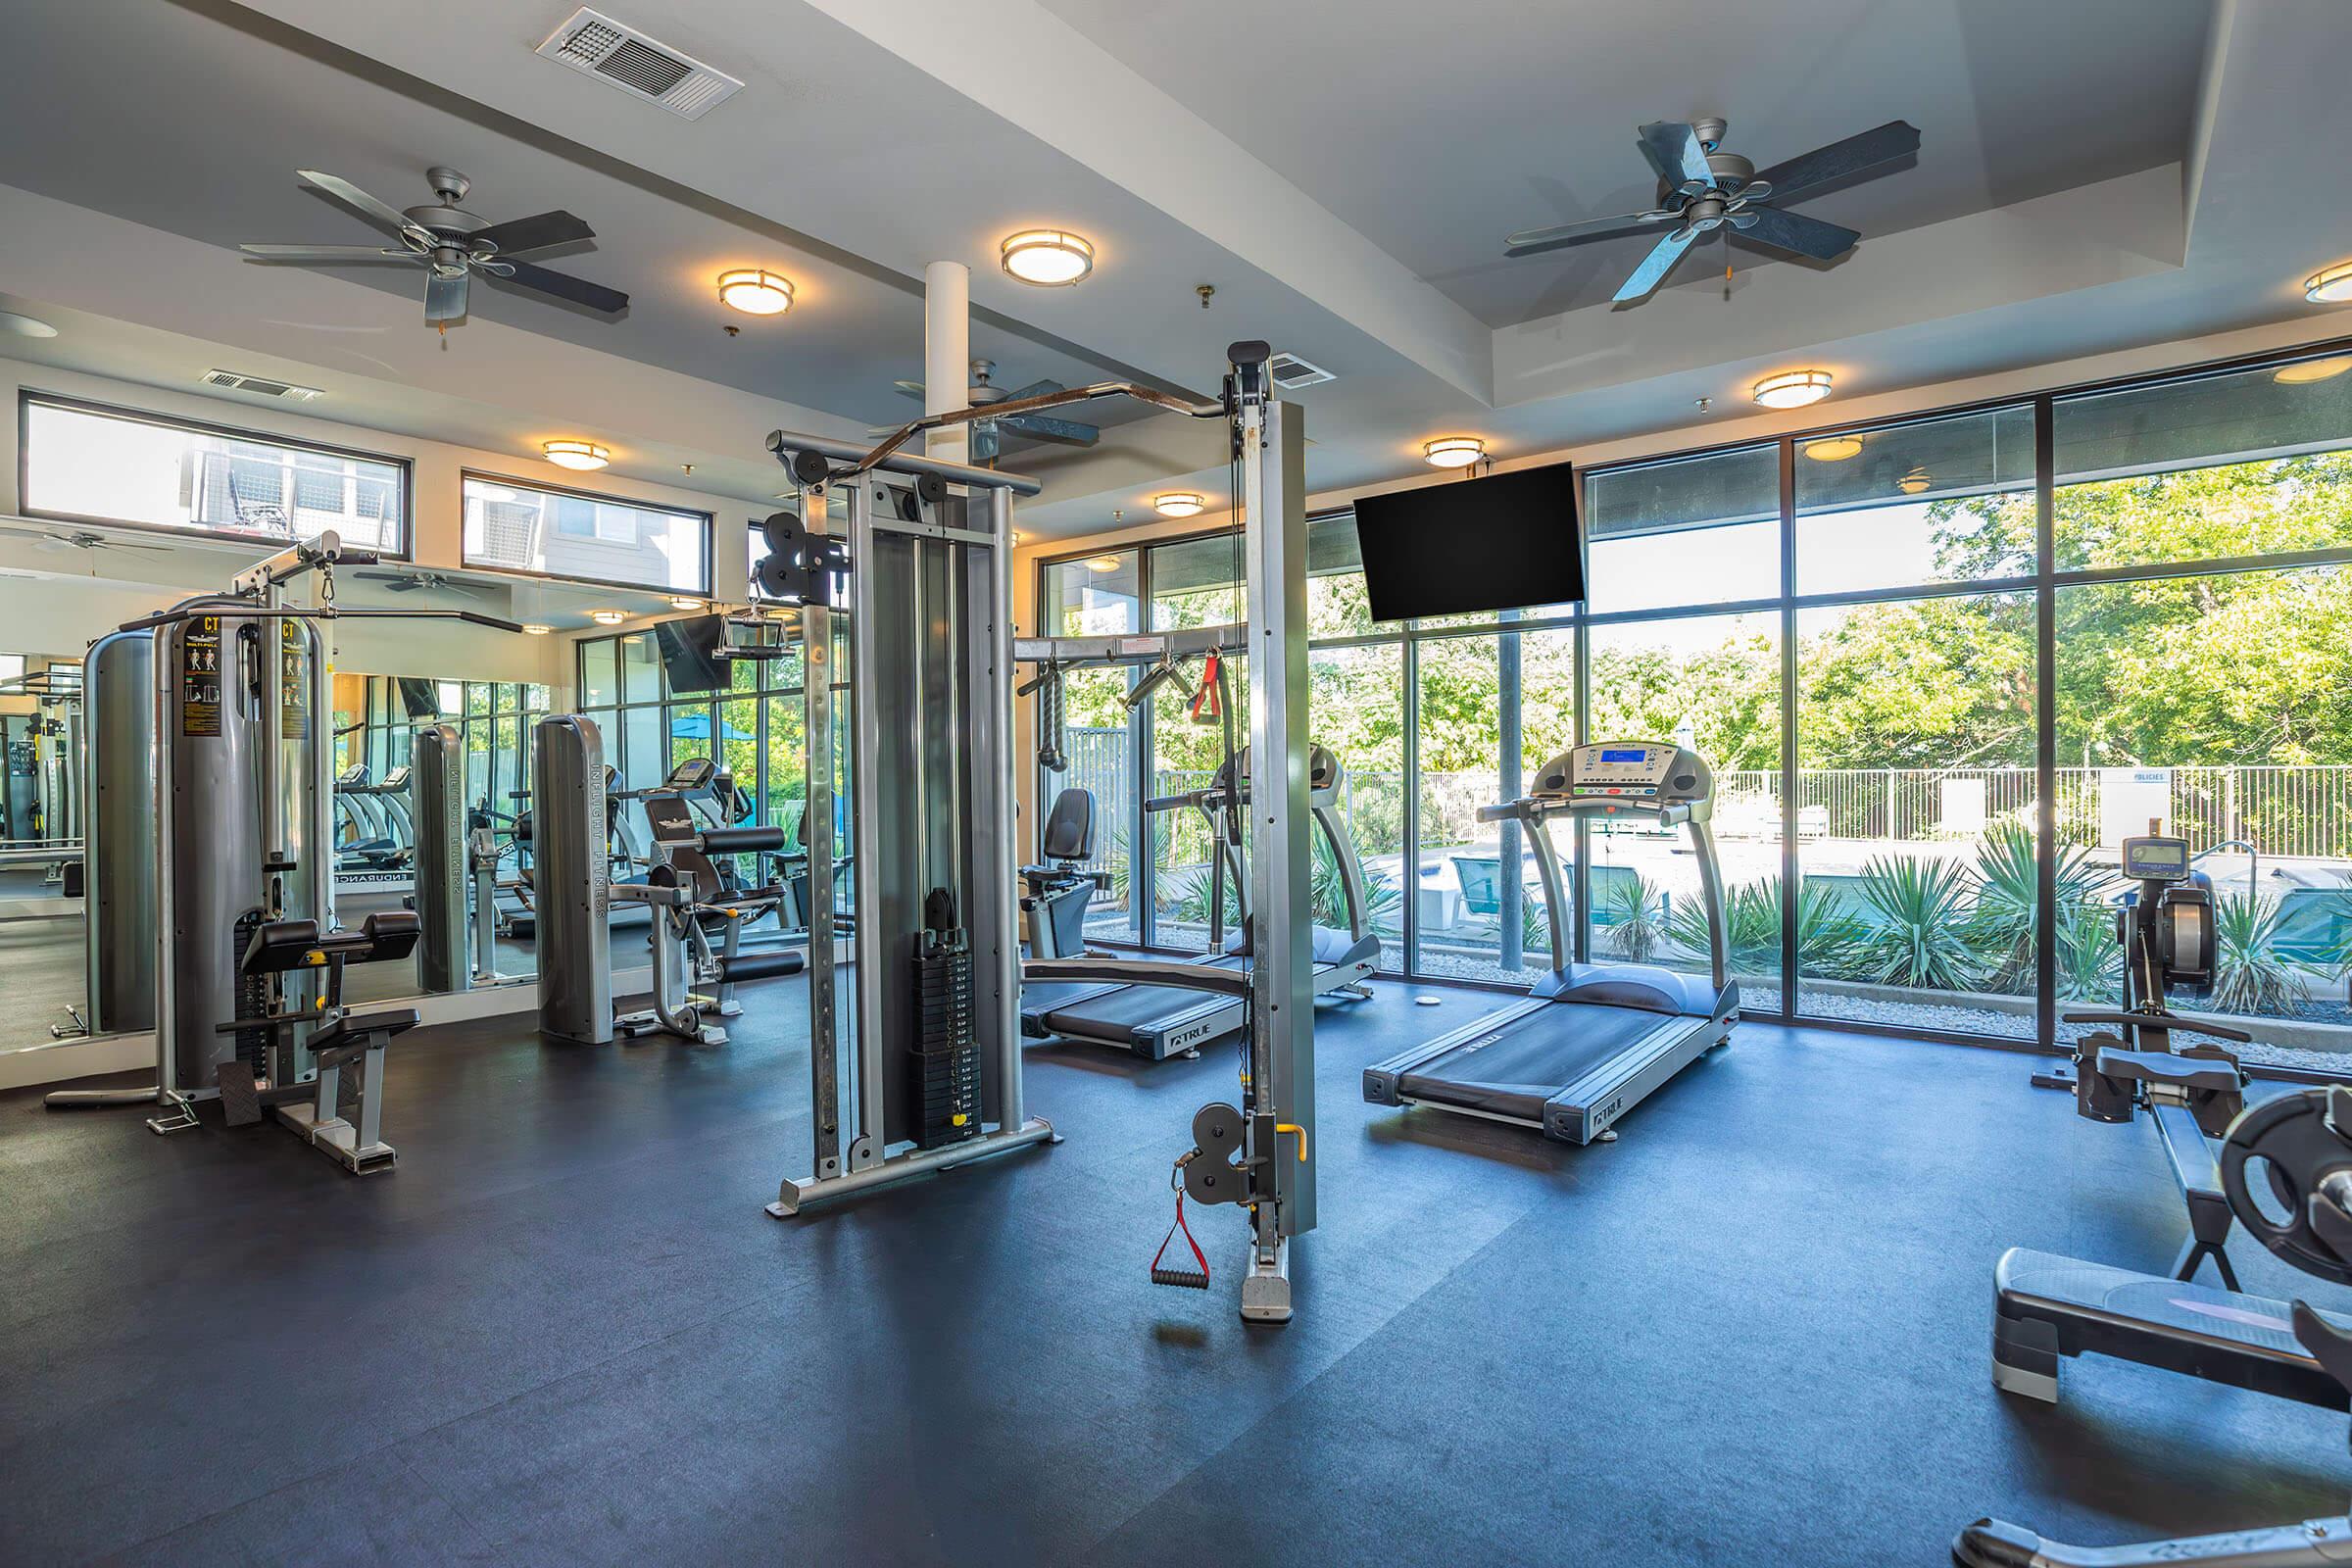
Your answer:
<point x="2291" y="1135"/>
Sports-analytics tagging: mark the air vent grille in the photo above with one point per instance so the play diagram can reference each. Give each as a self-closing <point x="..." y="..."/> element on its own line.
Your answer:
<point x="596" y="45"/>
<point x="1290" y="372"/>
<point x="261" y="386"/>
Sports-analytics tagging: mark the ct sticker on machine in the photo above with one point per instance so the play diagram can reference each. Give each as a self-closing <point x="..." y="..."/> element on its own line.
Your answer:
<point x="200" y="677"/>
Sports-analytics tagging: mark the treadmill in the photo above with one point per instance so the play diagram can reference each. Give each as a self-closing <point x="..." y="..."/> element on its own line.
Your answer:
<point x="1590" y="1039"/>
<point x="1159" y="1021"/>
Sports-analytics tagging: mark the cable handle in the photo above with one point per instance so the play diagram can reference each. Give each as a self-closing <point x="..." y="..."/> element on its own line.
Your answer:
<point x="1195" y="1278"/>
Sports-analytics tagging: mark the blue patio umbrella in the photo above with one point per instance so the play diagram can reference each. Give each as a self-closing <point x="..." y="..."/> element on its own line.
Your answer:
<point x="697" y="727"/>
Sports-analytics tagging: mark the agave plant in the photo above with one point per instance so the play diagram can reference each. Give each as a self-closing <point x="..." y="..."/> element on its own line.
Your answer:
<point x="1193" y="892"/>
<point x="1328" y="893"/>
<point x="2090" y="962"/>
<point x="1919" y="939"/>
<point x="2250" y="974"/>
<point x="2009" y="893"/>
<point x="1752" y="928"/>
<point x="1636" y="911"/>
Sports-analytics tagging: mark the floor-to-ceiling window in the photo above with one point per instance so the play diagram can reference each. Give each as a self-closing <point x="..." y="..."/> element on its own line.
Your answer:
<point x="1937" y="664"/>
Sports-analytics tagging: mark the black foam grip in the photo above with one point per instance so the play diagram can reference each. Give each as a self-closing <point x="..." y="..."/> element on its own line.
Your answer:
<point x="741" y="840"/>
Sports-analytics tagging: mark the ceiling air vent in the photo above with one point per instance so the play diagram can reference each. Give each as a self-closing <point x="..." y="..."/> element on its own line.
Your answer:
<point x="596" y="45"/>
<point x="1290" y="372"/>
<point x="261" y="386"/>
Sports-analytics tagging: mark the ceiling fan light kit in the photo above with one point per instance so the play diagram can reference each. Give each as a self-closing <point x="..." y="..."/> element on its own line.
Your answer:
<point x="1791" y="389"/>
<point x="582" y="457"/>
<point x="1050" y="258"/>
<point x="1454" y="451"/>
<point x="1702" y="188"/>
<point x="755" y="291"/>
<point x="1180" y="504"/>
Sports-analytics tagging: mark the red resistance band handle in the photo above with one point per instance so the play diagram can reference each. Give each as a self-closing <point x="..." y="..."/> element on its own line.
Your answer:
<point x="1193" y="1278"/>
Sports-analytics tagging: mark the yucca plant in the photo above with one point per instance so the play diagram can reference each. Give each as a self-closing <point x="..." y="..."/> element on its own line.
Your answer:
<point x="2250" y="974"/>
<point x="2090" y="962"/>
<point x="1752" y="928"/>
<point x="1193" y="893"/>
<point x="1918" y="941"/>
<point x="1328" y="891"/>
<point x="1636" y="911"/>
<point x="2008" y="894"/>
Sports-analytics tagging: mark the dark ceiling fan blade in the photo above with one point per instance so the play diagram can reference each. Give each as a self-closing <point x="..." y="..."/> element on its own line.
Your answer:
<point x="329" y="253"/>
<point x="1794" y="231"/>
<point x="1045" y="427"/>
<point x="1654" y="266"/>
<point x="538" y="232"/>
<point x="1897" y="138"/>
<point x="445" y="298"/>
<point x="1035" y="389"/>
<point x="565" y="286"/>
<point x="1674" y="152"/>
<point x="983" y="445"/>
<point x="1536" y="241"/>
<point x="911" y="389"/>
<point x="344" y="192"/>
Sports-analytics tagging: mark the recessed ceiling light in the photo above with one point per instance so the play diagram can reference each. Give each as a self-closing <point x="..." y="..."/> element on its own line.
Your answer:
<point x="2331" y="285"/>
<point x="1101" y="563"/>
<point x="537" y="629"/>
<point x="1180" y="504"/>
<point x="2307" y="371"/>
<point x="681" y="602"/>
<point x="608" y="617"/>
<point x="1047" y="256"/>
<point x="1835" y="449"/>
<point x="754" y="292"/>
<point x="581" y="455"/>
<point x="1791" y="389"/>
<point x="1454" y="451"/>
<point x="26" y="325"/>
<point x="1914" y="482"/>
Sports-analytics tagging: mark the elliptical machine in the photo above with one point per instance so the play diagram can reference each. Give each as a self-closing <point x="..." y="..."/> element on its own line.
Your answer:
<point x="2194" y="1092"/>
<point x="2303" y="1144"/>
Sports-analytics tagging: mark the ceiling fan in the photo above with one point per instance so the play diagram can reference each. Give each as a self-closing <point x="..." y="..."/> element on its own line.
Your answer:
<point x="988" y="434"/>
<point x="1701" y="188"/>
<point x="452" y="245"/>
<point x="402" y="582"/>
<point x="80" y="539"/>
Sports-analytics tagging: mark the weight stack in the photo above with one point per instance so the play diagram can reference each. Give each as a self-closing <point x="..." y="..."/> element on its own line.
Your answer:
<point x="946" y="1056"/>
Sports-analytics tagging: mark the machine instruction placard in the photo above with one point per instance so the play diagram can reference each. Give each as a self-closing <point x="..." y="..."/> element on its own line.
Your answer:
<point x="200" y="677"/>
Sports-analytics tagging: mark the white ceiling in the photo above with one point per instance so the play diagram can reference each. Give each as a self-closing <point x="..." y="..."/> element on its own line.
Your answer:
<point x="2094" y="174"/>
<point x="1435" y="138"/>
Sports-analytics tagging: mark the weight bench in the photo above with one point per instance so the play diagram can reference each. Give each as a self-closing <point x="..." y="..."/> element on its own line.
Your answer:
<point x="340" y="1114"/>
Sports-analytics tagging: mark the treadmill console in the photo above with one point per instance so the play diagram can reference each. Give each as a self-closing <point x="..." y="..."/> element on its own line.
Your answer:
<point x="2156" y="860"/>
<point x="1637" y="773"/>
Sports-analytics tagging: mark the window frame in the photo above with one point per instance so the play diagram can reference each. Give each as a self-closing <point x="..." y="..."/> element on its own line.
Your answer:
<point x="707" y="518"/>
<point x="29" y="397"/>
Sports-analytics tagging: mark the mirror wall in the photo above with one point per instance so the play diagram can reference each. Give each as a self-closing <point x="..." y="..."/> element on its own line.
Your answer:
<point x="40" y="844"/>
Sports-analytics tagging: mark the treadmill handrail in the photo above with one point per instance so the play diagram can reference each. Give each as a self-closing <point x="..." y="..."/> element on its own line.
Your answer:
<point x="1140" y="972"/>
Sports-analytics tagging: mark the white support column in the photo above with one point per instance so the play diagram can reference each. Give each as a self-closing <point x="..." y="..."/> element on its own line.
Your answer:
<point x="946" y="355"/>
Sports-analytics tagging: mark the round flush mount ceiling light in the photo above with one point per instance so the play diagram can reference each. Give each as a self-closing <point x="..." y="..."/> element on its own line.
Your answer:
<point x="1791" y="389"/>
<point x="1454" y="451"/>
<point x="2304" y="371"/>
<point x="1180" y="504"/>
<point x="1835" y="449"/>
<point x="537" y="629"/>
<point x="2331" y="285"/>
<point x="681" y="602"/>
<point x="24" y="325"/>
<point x="1050" y="258"/>
<point x="1914" y="482"/>
<point x="582" y="455"/>
<point x="754" y="292"/>
<point x="608" y="617"/>
<point x="1102" y="564"/>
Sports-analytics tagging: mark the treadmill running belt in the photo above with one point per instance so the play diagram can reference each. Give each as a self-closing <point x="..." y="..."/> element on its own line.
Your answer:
<point x="1514" y="1071"/>
<point x="1134" y="1009"/>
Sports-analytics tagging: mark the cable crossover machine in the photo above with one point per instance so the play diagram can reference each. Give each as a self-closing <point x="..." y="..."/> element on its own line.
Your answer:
<point x="916" y="1040"/>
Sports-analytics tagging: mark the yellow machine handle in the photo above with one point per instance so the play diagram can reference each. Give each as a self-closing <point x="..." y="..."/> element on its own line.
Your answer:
<point x="1293" y="1127"/>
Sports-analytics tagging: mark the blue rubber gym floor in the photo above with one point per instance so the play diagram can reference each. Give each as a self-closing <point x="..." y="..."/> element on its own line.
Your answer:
<point x="1754" y="1331"/>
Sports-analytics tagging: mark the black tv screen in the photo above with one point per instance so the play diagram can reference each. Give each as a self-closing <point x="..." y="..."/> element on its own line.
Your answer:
<point x="422" y="698"/>
<point x="689" y="653"/>
<point x="1505" y="542"/>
